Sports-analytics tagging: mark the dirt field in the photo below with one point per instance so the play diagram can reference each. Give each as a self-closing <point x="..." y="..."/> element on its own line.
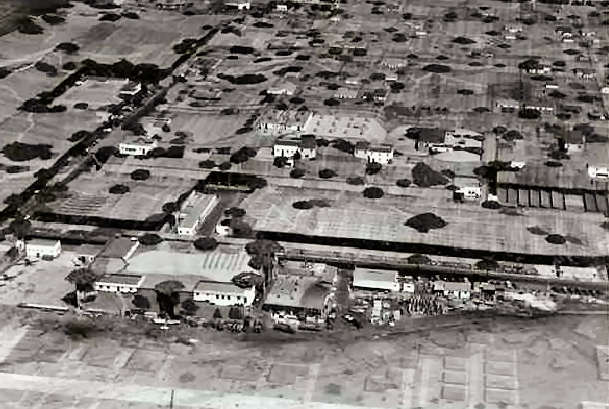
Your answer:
<point x="501" y="363"/>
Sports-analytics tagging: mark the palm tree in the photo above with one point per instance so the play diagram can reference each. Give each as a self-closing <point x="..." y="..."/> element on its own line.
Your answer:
<point x="83" y="279"/>
<point x="168" y="296"/>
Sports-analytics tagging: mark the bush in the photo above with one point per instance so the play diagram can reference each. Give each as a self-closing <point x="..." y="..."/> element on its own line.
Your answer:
<point x="553" y="164"/>
<point x="487" y="264"/>
<point x="26" y="25"/>
<point x="372" y="168"/>
<point x="403" y="182"/>
<point x="555" y="239"/>
<point x="225" y="165"/>
<point x="140" y="174"/>
<point x="327" y="174"/>
<point x="150" y="239"/>
<point x="81" y="106"/>
<point x="488" y="204"/>
<point x="528" y="113"/>
<point x="297" y="173"/>
<point x="238" y="49"/>
<point x="355" y="181"/>
<point x="463" y="40"/>
<point x="110" y="17"/>
<point x="419" y="259"/>
<point x="297" y="100"/>
<point x="68" y="48"/>
<point x="437" y="68"/>
<point x="331" y="102"/>
<point x="245" y="79"/>
<point x="119" y="189"/>
<point x="141" y="302"/>
<point x="302" y="205"/>
<point x="53" y="19"/>
<point x="46" y="68"/>
<point x="373" y="192"/>
<point x="424" y="176"/>
<point x="207" y="164"/>
<point x="205" y="243"/>
<point x="131" y="15"/>
<point x="170" y="207"/>
<point x="69" y="66"/>
<point x="465" y="92"/>
<point x="512" y="135"/>
<point x="19" y="152"/>
<point x="243" y="154"/>
<point x="280" y="161"/>
<point x="425" y="221"/>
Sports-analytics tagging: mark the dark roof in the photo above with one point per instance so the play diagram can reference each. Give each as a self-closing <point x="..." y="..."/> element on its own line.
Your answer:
<point x="575" y="137"/>
<point x="127" y="279"/>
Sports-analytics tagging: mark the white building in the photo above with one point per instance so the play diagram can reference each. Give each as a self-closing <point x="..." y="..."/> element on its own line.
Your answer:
<point x="171" y="4"/>
<point x="575" y="142"/>
<point x="469" y="187"/>
<point x="283" y="88"/>
<point x="239" y="5"/>
<point x="223" y="293"/>
<point x="287" y="148"/>
<point x="119" y="283"/>
<point x="277" y="122"/>
<point x="138" y="147"/>
<point x="382" y="154"/>
<point x="597" y="172"/>
<point x="377" y="280"/>
<point x="130" y="89"/>
<point x="194" y="211"/>
<point x="39" y="248"/>
<point x="458" y="290"/>
<point x="346" y="93"/>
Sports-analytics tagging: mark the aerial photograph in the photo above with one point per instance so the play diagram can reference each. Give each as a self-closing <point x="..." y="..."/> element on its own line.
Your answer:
<point x="302" y="204"/>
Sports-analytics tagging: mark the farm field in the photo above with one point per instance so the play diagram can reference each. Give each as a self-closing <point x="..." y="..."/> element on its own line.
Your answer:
<point x="353" y="216"/>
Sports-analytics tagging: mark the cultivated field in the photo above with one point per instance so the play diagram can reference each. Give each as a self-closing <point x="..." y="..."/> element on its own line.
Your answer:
<point x="353" y="216"/>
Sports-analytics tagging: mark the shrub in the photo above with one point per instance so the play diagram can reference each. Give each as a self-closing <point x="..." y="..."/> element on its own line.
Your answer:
<point x="463" y="40"/>
<point x="81" y="106"/>
<point x="355" y="181"/>
<point x="302" y="205"/>
<point x="53" y="19"/>
<point x="207" y="164"/>
<point x="437" y="68"/>
<point x="245" y="79"/>
<point x="488" y="204"/>
<point x="119" y="189"/>
<point x="372" y="168"/>
<point x="110" y="17"/>
<point x="373" y="192"/>
<point x="280" y="161"/>
<point x="425" y="221"/>
<point x="19" y="152"/>
<point x="512" y="135"/>
<point x="131" y="15"/>
<point x="403" y="182"/>
<point x="26" y="25"/>
<point x="528" y="113"/>
<point x="238" y="49"/>
<point x="487" y="264"/>
<point x="553" y="164"/>
<point x="170" y="207"/>
<point x="419" y="259"/>
<point x="327" y="174"/>
<point x="297" y="100"/>
<point x="205" y="243"/>
<point x="140" y="174"/>
<point x="150" y="239"/>
<point x="555" y="239"/>
<point x="424" y="176"/>
<point x="68" y="48"/>
<point x="78" y="135"/>
<point x="297" y="173"/>
<point x="141" y="302"/>
<point x="465" y="92"/>
<point x="44" y="67"/>
<point x="331" y="102"/>
<point x="225" y="165"/>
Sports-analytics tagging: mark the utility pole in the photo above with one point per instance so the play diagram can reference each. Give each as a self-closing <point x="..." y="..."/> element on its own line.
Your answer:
<point x="171" y="400"/>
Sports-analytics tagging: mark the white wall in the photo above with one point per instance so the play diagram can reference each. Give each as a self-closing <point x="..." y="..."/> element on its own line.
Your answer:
<point x="115" y="287"/>
<point x="286" y="151"/>
<point x="38" y="251"/>
<point x="136" y="149"/>
<point x="244" y="297"/>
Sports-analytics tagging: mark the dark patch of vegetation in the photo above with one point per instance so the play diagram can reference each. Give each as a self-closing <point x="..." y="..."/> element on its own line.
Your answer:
<point x="491" y="204"/>
<point x="538" y="231"/>
<point x="205" y="243"/>
<point x="528" y="113"/>
<point x="243" y="155"/>
<point x="425" y="222"/>
<point x="419" y="259"/>
<point x="262" y="59"/>
<point x="52" y="19"/>
<point x="20" y="152"/>
<point x="110" y="17"/>
<point x="297" y="173"/>
<point x="331" y="102"/>
<point x="356" y="180"/>
<point x="245" y="79"/>
<point x="207" y="164"/>
<point x="437" y="68"/>
<point x="68" y="48"/>
<point x="150" y="239"/>
<point x="239" y="49"/>
<point x="119" y="189"/>
<point x="327" y="174"/>
<point x="27" y="25"/>
<point x="424" y="176"/>
<point x="403" y="182"/>
<point x="556" y="239"/>
<point x="263" y="24"/>
<point x="373" y="192"/>
<point x="465" y="92"/>
<point x="463" y="41"/>
<point x="140" y="174"/>
<point x="131" y="15"/>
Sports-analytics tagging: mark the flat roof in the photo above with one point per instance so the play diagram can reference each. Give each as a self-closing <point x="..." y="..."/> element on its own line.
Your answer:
<point x="118" y="247"/>
<point x="380" y="276"/>
<point x="195" y="207"/>
<point x="539" y="175"/>
<point x="215" y="265"/>
<point x="346" y="126"/>
<point x="128" y="279"/>
<point x="42" y="242"/>
<point x="297" y="292"/>
<point x="215" y="286"/>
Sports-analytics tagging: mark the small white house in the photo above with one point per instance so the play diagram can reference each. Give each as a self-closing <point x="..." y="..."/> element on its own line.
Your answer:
<point x="455" y="290"/>
<point x="597" y="172"/>
<point x="239" y="5"/>
<point x="119" y="283"/>
<point x="469" y="187"/>
<point x="283" y="88"/>
<point x="282" y="7"/>
<point x="288" y="147"/>
<point x="139" y="147"/>
<point x="130" y="89"/>
<point x="194" y="211"/>
<point x="382" y="154"/>
<point x="223" y="293"/>
<point x="39" y="248"/>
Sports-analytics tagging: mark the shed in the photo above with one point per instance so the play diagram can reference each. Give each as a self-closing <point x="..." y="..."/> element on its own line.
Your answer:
<point x="379" y="280"/>
<point x="39" y="248"/>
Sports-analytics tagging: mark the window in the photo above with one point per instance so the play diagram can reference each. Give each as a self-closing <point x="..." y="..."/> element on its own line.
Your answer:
<point x="217" y="297"/>
<point x="222" y="296"/>
<point x="228" y="297"/>
<point x="238" y="297"/>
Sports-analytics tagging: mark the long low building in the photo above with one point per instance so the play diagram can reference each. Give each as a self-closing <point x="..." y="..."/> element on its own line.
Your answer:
<point x="375" y="280"/>
<point x="223" y="293"/>
<point x="119" y="283"/>
<point x="196" y="208"/>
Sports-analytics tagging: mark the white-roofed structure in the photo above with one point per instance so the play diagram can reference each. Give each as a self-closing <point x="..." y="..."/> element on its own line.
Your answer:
<point x="377" y="280"/>
<point x="194" y="211"/>
<point x="39" y="248"/>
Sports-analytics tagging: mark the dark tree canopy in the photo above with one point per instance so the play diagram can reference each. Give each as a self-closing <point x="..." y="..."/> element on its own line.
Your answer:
<point x="140" y="174"/>
<point x="118" y="189"/>
<point x="425" y="221"/>
<point x="150" y="239"/>
<point x="373" y="192"/>
<point x="205" y="243"/>
<point x="424" y="176"/>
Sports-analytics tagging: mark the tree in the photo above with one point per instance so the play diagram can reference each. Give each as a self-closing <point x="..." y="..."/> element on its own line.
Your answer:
<point x="372" y="168"/>
<point x="556" y="239"/>
<point x="225" y="165"/>
<point x="207" y="164"/>
<point x="487" y="264"/>
<point x="424" y="176"/>
<point x="167" y="293"/>
<point x="356" y="180"/>
<point x="425" y="221"/>
<point x="297" y="173"/>
<point x="141" y="302"/>
<point x="189" y="307"/>
<point x="403" y="182"/>
<point x="235" y="313"/>
<point x="118" y="189"/>
<point x="150" y="239"/>
<point x="205" y="243"/>
<point x="140" y="174"/>
<point x="373" y="192"/>
<point x="280" y="161"/>
<point x="419" y="259"/>
<point x="83" y="279"/>
<point x="303" y="205"/>
<point x="217" y="314"/>
<point x="327" y="173"/>
<point x="20" y="227"/>
<point x="235" y="212"/>
<point x="170" y="207"/>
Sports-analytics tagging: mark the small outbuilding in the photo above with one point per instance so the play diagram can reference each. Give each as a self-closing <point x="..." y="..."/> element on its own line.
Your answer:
<point x="42" y="248"/>
<point x="375" y="280"/>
